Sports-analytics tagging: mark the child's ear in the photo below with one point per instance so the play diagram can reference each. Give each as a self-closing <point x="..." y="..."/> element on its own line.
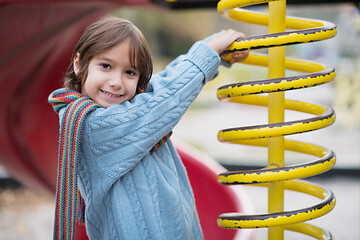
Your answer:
<point x="76" y="62"/>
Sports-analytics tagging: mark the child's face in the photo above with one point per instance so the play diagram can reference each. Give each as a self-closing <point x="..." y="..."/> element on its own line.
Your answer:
<point x="111" y="79"/>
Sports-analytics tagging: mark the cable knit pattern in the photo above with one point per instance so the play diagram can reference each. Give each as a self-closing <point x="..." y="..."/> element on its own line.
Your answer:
<point x="131" y="115"/>
<point x="108" y="146"/>
<point x="152" y="183"/>
<point x="146" y="195"/>
<point x="179" y="218"/>
<point x="137" y="208"/>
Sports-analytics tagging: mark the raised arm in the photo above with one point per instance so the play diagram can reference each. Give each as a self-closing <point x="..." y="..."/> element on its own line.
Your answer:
<point x="131" y="129"/>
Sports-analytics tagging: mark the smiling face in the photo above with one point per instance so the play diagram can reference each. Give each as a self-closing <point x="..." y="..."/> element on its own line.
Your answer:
<point x="111" y="78"/>
<point x="99" y="40"/>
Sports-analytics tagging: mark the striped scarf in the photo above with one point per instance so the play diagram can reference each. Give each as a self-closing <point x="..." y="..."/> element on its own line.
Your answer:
<point x="77" y="107"/>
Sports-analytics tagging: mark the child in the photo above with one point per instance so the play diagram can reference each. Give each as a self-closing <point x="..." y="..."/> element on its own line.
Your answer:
<point x="114" y="127"/>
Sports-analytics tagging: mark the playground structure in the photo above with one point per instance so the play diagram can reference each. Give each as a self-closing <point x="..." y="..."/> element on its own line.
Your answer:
<point x="39" y="38"/>
<point x="277" y="177"/>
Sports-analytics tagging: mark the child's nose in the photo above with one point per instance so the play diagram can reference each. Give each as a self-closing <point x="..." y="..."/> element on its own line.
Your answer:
<point x="116" y="82"/>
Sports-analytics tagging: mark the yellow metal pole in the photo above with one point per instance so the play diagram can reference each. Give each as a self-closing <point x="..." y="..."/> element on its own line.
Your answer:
<point x="276" y="106"/>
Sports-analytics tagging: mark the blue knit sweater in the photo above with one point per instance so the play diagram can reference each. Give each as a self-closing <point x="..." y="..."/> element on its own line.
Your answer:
<point x="130" y="193"/>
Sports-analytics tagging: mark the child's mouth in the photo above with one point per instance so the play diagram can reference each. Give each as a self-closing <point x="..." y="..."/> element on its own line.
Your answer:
<point x="110" y="94"/>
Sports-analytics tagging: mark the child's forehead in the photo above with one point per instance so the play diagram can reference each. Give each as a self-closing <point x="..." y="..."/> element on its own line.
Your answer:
<point x="120" y="52"/>
<point x="104" y="50"/>
<point x="123" y="47"/>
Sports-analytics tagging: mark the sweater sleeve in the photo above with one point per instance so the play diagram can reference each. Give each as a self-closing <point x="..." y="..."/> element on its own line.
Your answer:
<point x="121" y="135"/>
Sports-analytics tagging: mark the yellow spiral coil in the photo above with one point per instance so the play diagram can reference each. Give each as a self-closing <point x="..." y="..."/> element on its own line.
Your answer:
<point x="276" y="176"/>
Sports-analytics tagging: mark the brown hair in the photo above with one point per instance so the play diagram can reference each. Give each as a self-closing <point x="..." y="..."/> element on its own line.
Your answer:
<point x="103" y="35"/>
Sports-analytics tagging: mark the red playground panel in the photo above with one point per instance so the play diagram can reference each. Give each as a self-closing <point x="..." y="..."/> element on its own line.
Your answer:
<point x="212" y="198"/>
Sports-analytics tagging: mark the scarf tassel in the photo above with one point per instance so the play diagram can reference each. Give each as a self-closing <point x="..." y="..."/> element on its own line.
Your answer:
<point x="81" y="209"/>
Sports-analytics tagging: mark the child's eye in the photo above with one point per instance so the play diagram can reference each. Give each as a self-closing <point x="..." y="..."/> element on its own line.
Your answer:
<point x="131" y="72"/>
<point x="105" y="66"/>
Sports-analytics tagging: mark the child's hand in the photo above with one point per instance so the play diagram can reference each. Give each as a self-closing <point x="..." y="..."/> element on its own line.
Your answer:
<point x="221" y="41"/>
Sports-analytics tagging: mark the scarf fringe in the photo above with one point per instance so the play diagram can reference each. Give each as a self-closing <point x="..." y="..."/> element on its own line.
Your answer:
<point x="81" y="209"/>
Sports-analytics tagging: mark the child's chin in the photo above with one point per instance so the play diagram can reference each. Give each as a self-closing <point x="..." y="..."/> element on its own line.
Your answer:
<point x="106" y="104"/>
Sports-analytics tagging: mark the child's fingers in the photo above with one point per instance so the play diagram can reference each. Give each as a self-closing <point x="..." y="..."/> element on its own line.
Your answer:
<point x="221" y="41"/>
<point x="239" y="56"/>
<point x="240" y="36"/>
<point x="233" y="36"/>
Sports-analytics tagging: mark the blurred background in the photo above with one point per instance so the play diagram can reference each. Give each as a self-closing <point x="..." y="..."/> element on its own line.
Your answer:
<point x="26" y="213"/>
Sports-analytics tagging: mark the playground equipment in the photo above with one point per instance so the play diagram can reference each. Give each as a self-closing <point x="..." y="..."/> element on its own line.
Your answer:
<point x="277" y="177"/>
